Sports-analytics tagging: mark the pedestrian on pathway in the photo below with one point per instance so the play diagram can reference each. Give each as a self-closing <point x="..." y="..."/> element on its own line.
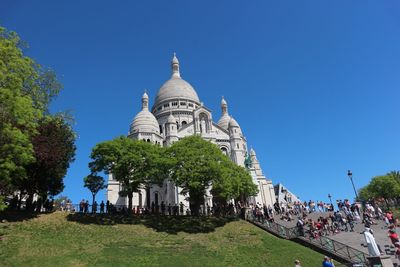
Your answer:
<point x="373" y="248"/>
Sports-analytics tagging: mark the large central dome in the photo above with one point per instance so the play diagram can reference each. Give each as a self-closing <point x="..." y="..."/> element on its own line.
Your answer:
<point x="176" y="87"/>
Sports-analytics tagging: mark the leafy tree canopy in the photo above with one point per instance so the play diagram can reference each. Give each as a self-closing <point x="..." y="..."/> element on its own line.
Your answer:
<point x="94" y="183"/>
<point x="197" y="164"/>
<point x="132" y="162"/>
<point x="54" y="150"/>
<point x="26" y="90"/>
<point x="385" y="186"/>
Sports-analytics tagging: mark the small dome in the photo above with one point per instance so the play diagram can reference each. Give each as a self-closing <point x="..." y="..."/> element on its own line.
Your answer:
<point x="223" y="102"/>
<point x="233" y="123"/>
<point x="175" y="60"/>
<point x="171" y="119"/>
<point x="144" y="121"/>
<point x="224" y="121"/>
<point x="225" y="118"/>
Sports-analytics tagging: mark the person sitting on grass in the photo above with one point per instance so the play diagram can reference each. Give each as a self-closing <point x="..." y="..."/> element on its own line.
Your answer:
<point x="327" y="262"/>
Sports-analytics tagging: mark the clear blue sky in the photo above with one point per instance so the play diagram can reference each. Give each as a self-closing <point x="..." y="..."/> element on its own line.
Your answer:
<point x="315" y="85"/>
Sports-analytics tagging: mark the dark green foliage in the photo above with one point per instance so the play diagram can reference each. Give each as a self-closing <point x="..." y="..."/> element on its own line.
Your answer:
<point x="35" y="148"/>
<point x="54" y="150"/>
<point x="134" y="163"/>
<point x="385" y="186"/>
<point x="94" y="183"/>
<point x="197" y="164"/>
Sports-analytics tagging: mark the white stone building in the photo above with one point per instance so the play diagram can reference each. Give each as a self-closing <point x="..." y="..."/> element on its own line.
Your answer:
<point x="177" y="112"/>
<point x="284" y="197"/>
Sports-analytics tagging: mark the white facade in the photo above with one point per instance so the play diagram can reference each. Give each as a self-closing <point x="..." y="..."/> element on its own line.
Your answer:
<point x="176" y="113"/>
<point x="283" y="196"/>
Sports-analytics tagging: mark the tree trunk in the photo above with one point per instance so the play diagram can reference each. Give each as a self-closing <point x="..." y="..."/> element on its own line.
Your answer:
<point x="93" y="197"/>
<point x="130" y="196"/>
<point x="28" y="202"/>
<point x="194" y="202"/>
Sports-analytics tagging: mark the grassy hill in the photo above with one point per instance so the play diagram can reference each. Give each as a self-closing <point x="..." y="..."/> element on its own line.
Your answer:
<point x="59" y="239"/>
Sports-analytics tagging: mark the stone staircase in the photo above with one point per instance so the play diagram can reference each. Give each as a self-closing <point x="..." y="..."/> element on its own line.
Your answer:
<point x="349" y="246"/>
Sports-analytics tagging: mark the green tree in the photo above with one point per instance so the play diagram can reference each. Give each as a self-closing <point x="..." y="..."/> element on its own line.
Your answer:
<point x="197" y="164"/>
<point x="384" y="186"/>
<point x="26" y="88"/>
<point x="364" y="193"/>
<point x="395" y="175"/>
<point x="94" y="183"/>
<point x="235" y="182"/>
<point x="133" y="163"/>
<point x="54" y="150"/>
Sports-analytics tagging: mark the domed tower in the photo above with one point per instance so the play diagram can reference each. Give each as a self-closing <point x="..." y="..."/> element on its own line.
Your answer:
<point x="225" y="118"/>
<point x="238" y="143"/>
<point x="145" y="126"/>
<point x="171" y="131"/>
<point x="177" y="96"/>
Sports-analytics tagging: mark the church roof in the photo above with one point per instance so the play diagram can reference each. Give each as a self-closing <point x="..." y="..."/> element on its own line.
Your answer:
<point x="144" y="121"/>
<point x="224" y="121"/>
<point x="176" y="87"/>
<point x="225" y="118"/>
<point x="233" y="123"/>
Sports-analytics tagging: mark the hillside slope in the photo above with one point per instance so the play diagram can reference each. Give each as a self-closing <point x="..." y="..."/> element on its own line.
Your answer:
<point x="61" y="240"/>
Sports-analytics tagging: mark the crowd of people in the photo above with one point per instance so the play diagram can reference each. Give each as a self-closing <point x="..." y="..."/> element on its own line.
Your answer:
<point x="331" y="221"/>
<point x="229" y="209"/>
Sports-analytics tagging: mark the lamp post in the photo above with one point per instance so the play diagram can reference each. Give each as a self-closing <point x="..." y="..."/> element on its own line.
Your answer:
<point x="330" y="199"/>
<point x="351" y="179"/>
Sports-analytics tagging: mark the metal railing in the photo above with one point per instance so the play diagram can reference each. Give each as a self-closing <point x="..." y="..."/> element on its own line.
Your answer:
<point x="349" y="254"/>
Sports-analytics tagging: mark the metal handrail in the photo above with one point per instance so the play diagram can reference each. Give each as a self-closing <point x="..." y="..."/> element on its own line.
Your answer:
<point x="344" y="251"/>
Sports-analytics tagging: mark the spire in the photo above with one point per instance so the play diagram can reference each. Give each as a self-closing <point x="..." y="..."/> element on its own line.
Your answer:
<point x="224" y="106"/>
<point x="145" y="101"/>
<point x="175" y="67"/>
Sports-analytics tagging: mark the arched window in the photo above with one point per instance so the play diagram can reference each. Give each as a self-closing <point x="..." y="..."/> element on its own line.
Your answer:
<point x="184" y="122"/>
<point x="177" y="125"/>
<point x="224" y="150"/>
<point x="148" y="140"/>
<point x="160" y="128"/>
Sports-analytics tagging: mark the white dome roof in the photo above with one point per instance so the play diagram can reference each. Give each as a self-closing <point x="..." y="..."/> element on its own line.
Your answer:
<point x="225" y="118"/>
<point x="224" y="121"/>
<point x="144" y="121"/>
<point x="176" y="87"/>
<point x="233" y="123"/>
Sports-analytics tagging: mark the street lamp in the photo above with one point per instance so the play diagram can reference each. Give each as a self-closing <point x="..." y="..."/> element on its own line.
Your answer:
<point x="351" y="179"/>
<point x="330" y="199"/>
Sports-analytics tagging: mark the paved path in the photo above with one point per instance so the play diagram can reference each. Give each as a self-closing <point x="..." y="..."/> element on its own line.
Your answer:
<point x="355" y="239"/>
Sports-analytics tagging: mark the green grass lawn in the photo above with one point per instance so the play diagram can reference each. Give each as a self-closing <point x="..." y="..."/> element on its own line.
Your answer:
<point x="61" y="240"/>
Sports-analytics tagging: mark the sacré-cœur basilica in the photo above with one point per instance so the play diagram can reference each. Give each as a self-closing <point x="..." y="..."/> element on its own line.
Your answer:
<point x="178" y="112"/>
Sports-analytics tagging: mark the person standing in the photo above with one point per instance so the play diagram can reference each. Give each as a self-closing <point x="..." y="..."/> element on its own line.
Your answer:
<point x="327" y="262"/>
<point x="102" y="207"/>
<point x="373" y="248"/>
